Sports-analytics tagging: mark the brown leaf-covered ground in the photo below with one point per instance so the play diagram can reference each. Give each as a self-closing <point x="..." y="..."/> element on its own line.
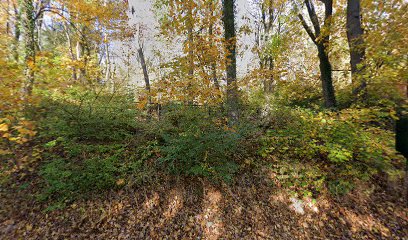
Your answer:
<point x="181" y="208"/>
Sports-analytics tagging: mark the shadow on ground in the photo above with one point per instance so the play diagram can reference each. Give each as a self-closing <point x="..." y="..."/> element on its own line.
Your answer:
<point x="250" y="208"/>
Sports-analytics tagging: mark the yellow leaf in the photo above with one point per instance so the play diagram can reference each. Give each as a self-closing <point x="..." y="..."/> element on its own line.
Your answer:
<point x="3" y="127"/>
<point x="4" y="152"/>
<point x="6" y="135"/>
<point x="120" y="182"/>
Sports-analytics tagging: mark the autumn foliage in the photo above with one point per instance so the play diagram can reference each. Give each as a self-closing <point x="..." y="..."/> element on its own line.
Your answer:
<point x="93" y="99"/>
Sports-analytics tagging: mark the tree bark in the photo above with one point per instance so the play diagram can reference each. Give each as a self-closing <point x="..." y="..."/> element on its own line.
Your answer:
<point x="214" y="60"/>
<point x="326" y="78"/>
<point x="190" y="54"/>
<point x="190" y="41"/>
<point x="82" y="56"/>
<point x="321" y="42"/>
<point x="29" y="44"/>
<point x="144" y="68"/>
<point x="146" y="79"/>
<point x="71" y="51"/>
<point x="356" y="42"/>
<point x="231" y="62"/>
<point x="107" y="62"/>
<point x="79" y="50"/>
<point x="17" y="32"/>
<point x="8" y="17"/>
<point x="262" y="34"/>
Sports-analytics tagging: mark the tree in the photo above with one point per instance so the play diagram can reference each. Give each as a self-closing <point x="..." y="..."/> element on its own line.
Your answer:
<point x="355" y="40"/>
<point x="321" y="38"/>
<point x="142" y="59"/>
<point x="29" y="43"/>
<point x="17" y="31"/>
<point x="193" y="74"/>
<point x="228" y="19"/>
<point x="268" y="23"/>
<point x="213" y="59"/>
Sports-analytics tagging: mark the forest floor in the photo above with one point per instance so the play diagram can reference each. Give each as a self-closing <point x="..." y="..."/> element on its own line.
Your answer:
<point x="184" y="208"/>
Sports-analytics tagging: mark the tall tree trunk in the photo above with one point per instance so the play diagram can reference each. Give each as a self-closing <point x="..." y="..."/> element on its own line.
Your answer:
<point x="267" y="21"/>
<point x="326" y="78"/>
<point x="39" y="22"/>
<point x="268" y="64"/>
<point x="214" y="60"/>
<point x="190" y="40"/>
<point x="79" y="50"/>
<point x="107" y="62"/>
<point x="322" y="42"/>
<point x="231" y="62"/>
<point x="144" y="68"/>
<point x="146" y="79"/>
<point x="17" y="32"/>
<point x="37" y="33"/>
<point x="356" y="42"/>
<point x="71" y="51"/>
<point x="190" y="56"/>
<point x="83" y="57"/>
<point x="29" y="43"/>
<point x="8" y="18"/>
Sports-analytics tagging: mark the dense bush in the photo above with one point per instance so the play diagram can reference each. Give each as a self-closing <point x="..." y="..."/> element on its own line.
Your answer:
<point x="189" y="141"/>
<point x="196" y="142"/>
<point x="90" y="115"/>
<point x="93" y="142"/>
<point x="81" y="168"/>
<point x="347" y="145"/>
<point x="99" y="141"/>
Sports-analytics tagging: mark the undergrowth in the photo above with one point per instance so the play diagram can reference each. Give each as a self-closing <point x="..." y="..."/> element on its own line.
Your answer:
<point x="93" y="142"/>
<point x="333" y="149"/>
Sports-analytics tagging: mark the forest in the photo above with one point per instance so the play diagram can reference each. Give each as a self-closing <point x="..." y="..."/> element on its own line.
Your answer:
<point x="203" y="119"/>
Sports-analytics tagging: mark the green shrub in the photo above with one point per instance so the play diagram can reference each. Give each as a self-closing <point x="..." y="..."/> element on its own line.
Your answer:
<point x="340" y="187"/>
<point x="89" y="115"/>
<point x="67" y="180"/>
<point x="196" y="143"/>
<point x="90" y="168"/>
<point x="91" y="141"/>
<point x="350" y="144"/>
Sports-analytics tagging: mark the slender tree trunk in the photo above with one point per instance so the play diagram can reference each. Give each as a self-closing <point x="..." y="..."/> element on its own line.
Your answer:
<point x="8" y="18"/>
<point x="231" y="62"/>
<point x="213" y="61"/>
<point x="190" y="40"/>
<point x="17" y="32"/>
<point x="326" y="78"/>
<point x="71" y="51"/>
<point x="128" y="64"/>
<point x="322" y="41"/>
<point x="146" y="79"/>
<point x="107" y="62"/>
<point x="80" y="51"/>
<point x="37" y="35"/>
<point x="267" y="21"/>
<point x="356" y="43"/>
<point x="269" y="81"/>
<point x="29" y="44"/>
<point x="144" y="68"/>
<point x="190" y="54"/>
